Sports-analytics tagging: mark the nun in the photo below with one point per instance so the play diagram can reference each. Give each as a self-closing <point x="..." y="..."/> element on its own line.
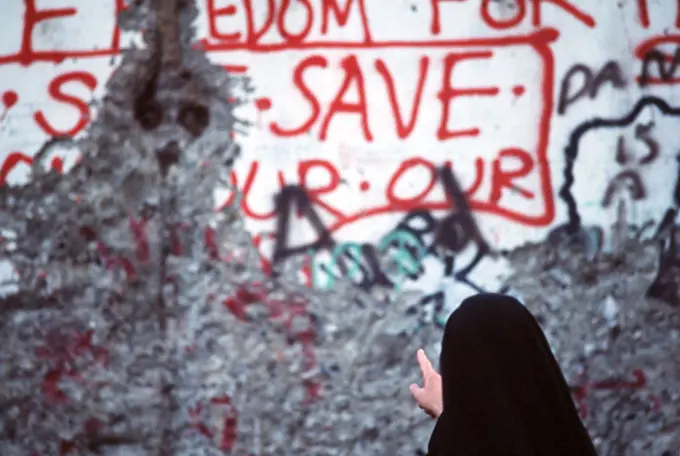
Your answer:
<point x="501" y="391"/>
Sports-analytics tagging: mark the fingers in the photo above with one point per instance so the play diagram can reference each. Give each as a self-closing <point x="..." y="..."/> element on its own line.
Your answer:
<point x="414" y="389"/>
<point x="425" y="364"/>
<point x="416" y="392"/>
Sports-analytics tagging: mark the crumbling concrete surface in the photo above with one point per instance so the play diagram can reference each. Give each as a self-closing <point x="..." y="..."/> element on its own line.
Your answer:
<point x="619" y="349"/>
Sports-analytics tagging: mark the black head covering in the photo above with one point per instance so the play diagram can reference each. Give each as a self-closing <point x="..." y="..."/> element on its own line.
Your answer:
<point x="504" y="393"/>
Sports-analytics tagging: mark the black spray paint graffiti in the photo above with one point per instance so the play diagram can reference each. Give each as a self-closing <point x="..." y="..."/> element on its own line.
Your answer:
<point x="630" y="176"/>
<point x="571" y="152"/>
<point x="590" y="85"/>
<point x="666" y="69"/>
<point x="666" y="284"/>
<point x="444" y="238"/>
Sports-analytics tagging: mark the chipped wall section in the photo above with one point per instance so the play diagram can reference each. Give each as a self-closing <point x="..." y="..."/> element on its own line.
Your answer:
<point x="369" y="122"/>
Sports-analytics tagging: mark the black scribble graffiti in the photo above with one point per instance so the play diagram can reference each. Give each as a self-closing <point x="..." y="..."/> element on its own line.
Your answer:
<point x="571" y="152"/>
<point x="630" y="177"/>
<point x="445" y="238"/>
<point x="458" y="229"/>
<point x="666" y="68"/>
<point x="592" y="82"/>
<point x="295" y="198"/>
<point x="643" y="133"/>
<point x="452" y="234"/>
<point x="428" y="308"/>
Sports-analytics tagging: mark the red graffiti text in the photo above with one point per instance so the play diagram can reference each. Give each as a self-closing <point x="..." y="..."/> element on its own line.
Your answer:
<point x="521" y="11"/>
<point x="33" y="16"/>
<point x="60" y="91"/>
<point x="319" y="18"/>
<point x="502" y="177"/>
<point x="659" y="58"/>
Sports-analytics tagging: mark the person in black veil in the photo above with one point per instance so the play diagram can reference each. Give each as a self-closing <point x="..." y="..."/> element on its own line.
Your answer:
<point x="501" y="391"/>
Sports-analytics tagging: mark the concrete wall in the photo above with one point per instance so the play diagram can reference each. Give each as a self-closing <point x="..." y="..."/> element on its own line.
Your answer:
<point x="558" y="119"/>
<point x="359" y="104"/>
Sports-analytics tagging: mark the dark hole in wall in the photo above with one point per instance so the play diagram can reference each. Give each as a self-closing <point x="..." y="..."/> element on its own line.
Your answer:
<point x="148" y="112"/>
<point x="194" y="117"/>
<point x="167" y="156"/>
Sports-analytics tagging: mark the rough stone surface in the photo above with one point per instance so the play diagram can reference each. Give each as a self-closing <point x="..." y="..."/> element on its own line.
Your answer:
<point x="603" y="330"/>
<point x="107" y="356"/>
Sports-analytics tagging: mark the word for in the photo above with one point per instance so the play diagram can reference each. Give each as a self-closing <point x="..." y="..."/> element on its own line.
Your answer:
<point x="416" y="236"/>
<point x="318" y="18"/>
<point x="502" y="179"/>
<point x="520" y="14"/>
<point x="591" y="83"/>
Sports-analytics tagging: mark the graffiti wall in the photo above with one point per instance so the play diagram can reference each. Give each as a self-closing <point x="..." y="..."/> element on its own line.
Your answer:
<point x="421" y="151"/>
<point x="539" y="114"/>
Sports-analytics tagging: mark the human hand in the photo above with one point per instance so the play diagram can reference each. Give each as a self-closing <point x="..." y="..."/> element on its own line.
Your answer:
<point x="429" y="396"/>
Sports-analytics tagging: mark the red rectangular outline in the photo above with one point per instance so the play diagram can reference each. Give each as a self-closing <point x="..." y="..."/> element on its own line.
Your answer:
<point x="540" y="41"/>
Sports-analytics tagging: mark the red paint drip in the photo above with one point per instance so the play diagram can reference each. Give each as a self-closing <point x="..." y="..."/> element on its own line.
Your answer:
<point x="582" y="391"/>
<point x="283" y="313"/>
<point x="141" y="239"/>
<point x="228" y="432"/>
<point x="9" y="99"/>
<point x="263" y="104"/>
<point x="211" y="243"/>
<point x="62" y="356"/>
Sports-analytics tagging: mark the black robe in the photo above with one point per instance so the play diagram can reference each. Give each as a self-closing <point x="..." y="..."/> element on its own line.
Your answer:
<point x="504" y="393"/>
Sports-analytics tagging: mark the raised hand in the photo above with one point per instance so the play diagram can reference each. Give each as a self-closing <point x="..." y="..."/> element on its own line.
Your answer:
<point x="429" y="396"/>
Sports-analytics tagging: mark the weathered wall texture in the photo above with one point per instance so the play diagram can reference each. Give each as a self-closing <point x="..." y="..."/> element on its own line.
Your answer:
<point x="433" y="148"/>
